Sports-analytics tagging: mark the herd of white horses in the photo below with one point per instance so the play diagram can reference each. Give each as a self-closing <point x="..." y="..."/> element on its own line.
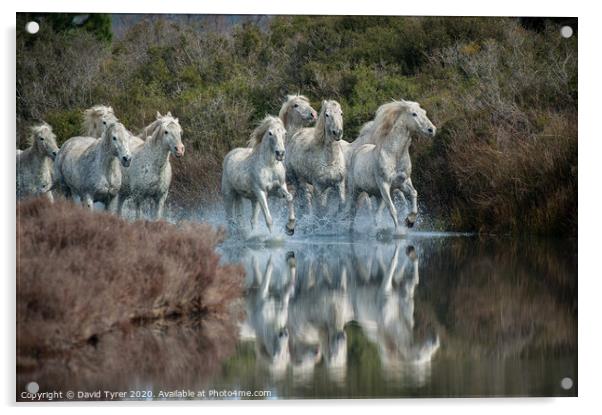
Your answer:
<point x="111" y="165"/>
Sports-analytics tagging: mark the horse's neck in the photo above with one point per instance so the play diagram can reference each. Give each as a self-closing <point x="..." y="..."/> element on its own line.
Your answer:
<point x="155" y="152"/>
<point x="265" y="155"/>
<point x="34" y="157"/>
<point x="396" y="144"/>
<point x="292" y="126"/>
<point x="103" y="154"/>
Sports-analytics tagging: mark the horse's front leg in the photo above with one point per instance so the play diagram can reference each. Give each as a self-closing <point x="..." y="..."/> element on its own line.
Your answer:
<point x="284" y="193"/>
<point x="88" y="202"/>
<point x="353" y="201"/>
<point x="255" y="214"/>
<point x="262" y="198"/>
<point x="342" y="195"/>
<point x="321" y="196"/>
<point x="160" y="205"/>
<point x="385" y="194"/>
<point x="408" y="188"/>
<point x="112" y="203"/>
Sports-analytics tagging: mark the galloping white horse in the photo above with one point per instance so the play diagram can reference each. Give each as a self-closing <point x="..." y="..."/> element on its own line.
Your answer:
<point x="255" y="172"/>
<point x="296" y="113"/>
<point x="315" y="156"/>
<point x="89" y="168"/>
<point x="96" y="120"/>
<point x="378" y="168"/>
<point x="34" y="164"/>
<point x="149" y="176"/>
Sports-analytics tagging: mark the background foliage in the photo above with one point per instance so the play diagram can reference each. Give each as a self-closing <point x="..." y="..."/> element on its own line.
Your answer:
<point x="503" y="95"/>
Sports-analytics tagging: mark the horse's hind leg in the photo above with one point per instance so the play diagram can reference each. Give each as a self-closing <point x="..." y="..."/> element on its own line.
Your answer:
<point x="229" y="208"/>
<point x="255" y="214"/>
<point x="408" y="188"/>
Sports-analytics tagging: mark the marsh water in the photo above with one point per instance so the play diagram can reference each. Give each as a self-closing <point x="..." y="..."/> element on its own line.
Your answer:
<point x="429" y="315"/>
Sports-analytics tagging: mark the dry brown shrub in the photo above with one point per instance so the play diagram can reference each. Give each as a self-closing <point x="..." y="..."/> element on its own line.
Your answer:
<point x="90" y="284"/>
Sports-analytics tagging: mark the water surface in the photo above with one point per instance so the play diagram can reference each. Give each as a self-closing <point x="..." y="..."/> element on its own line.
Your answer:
<point x="431" y="315"/>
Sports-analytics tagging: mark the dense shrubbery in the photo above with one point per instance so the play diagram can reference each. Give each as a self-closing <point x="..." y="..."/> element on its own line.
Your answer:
<point x="504" y="99"/>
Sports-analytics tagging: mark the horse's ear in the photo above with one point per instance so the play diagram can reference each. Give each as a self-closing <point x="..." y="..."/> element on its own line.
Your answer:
<point x="169" y="113"/>
<point x="110" y="109"/>
<point x="158" y="115"/>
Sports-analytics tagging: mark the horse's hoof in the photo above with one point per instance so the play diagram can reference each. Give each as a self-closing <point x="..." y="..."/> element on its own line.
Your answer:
<point x="411" y="252"/>
<point x="411" y="220"/>
<point x="290" y="259"/>
<point x="290" y="227"/>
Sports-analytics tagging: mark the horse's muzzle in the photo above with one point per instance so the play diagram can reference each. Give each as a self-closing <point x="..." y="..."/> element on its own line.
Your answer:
<point x="126" y="160"/>
<point x="279" y="155"/>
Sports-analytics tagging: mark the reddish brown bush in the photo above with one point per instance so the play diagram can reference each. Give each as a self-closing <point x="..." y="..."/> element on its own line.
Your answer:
<point x="91" y="280"/>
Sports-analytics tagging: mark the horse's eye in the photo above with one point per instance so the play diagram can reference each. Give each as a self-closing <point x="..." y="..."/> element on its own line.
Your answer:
<point x="104" y="122"/>
<point x="41" y="138"/>
<point x="414" y="114"/>
<point x="327" y="115"/>
<point x="296" y="105"/>
<point x="270" y="133"/>
<point x="165" y="132"/>
<point x="114" y="138"/>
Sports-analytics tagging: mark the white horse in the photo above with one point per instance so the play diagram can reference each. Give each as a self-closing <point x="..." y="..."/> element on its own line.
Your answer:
<point x="149" y="176"/>
<point x="315" y="157"/>
<point x="255" y="172"/>
<point x="378" y="168"/>
<point x="88" y="168"/>
<point x="96" y="120"/>
<point x="34" y="164"/>
<point x="296" y="112"/>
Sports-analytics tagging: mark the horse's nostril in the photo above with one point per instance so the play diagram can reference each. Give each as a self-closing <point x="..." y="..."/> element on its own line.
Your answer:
<point x="430" y="130"/>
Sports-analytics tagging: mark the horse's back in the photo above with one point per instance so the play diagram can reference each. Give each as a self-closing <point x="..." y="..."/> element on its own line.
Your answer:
<point x="235" y="169"/>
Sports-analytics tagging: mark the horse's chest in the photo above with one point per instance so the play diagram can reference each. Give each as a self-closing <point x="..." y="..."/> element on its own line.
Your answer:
<point x="331" y="171"/>
<point x="110" y="183"/>
<point x="270" y="179"/>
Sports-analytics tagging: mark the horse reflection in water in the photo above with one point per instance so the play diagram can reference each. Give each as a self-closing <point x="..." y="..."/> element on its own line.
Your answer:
<point x="384" y="308"/>
<point x="299" y="306"/>
<point x="318" y="314"/>
<point x="267" y="313"/>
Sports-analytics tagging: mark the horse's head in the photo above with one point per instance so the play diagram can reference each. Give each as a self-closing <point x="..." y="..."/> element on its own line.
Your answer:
<point x="119" y="137"/>
<point x="331" y="118"/>
<point x="170" y="133"/>
<point x="44" y="140"/>
<point x="297" y="111"/>
<point x="415" y="119"/>
<point x="270" y="135"/>
<point x="97" y="119"/>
